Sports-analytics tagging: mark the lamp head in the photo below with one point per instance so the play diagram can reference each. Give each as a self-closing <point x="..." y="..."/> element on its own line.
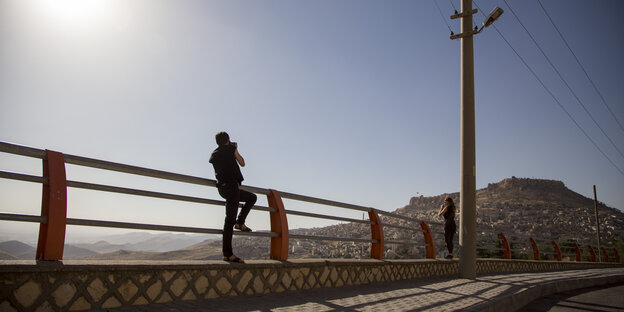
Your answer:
<point x="494" y="15"/>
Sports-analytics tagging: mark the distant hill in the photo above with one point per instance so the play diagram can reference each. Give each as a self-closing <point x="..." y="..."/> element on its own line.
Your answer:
<point x="542" y="209"/>
<point x="18" y="250"/>
<point x="207" y="250"/>
<point x="74" y="252"/>
<point x="102" y="246"/>
<point x="140" y="241"/>
<point x="150" y="245"/>
<point x="6" y="256"/>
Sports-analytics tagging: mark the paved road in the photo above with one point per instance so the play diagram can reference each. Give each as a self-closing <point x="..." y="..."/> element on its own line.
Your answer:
<point x="503" y="292"/>
<point x="604" y="298"/>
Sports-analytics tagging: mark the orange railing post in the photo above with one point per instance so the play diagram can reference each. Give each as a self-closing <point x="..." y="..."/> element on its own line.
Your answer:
<point x="557" y="250"/>
<point x="605" y="257"/>
<point x="578" y="252"/>
<point x="617" y="255"/>
<point x="505" y="244"/>
<point x="53" y="208"/>
<point x="430" y="250"/>
<point x="377" y="248"/>
<point x="592" y="253"/>
<point x="536" y="253"/>
<point x="279" y="224"/>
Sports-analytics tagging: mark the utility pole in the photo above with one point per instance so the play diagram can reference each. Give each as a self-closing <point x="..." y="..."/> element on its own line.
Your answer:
<point x="468" y="171"/>
<point x="597" y="222"/>
<point x="468" y="188"/>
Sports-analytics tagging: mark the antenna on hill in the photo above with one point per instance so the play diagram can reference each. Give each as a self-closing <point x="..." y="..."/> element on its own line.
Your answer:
<point x="597" y="222"/>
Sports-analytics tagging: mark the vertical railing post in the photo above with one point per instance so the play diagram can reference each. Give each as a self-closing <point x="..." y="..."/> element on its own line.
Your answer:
<point x="557" y="250"/>
<point x="505" y="244"/>
<point x="578" y="252"/>
<point x="592" y="253"/>
<point x="605" y="257"/>
<point x="430" y="250"/>
<point x="377" y="248"/>
<point x="53" y="208"/>
<point x="279" y="224"/>
<point x="536" y="252"/>
<point x="617" y="255"/>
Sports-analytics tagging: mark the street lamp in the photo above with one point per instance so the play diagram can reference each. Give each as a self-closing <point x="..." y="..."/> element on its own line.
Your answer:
<point x="468" y="171"/>
<point x="494" y="15"/>
<point x="491" y="18"/>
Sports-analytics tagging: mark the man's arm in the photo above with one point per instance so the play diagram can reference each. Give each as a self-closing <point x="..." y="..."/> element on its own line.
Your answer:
<point x="239" y="158"/>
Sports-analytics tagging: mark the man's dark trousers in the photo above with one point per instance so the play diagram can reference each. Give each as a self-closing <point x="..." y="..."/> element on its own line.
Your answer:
<point x="233" y="195"/>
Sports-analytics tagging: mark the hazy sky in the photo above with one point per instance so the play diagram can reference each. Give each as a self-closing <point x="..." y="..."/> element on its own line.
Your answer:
<point x="355" y="101"/>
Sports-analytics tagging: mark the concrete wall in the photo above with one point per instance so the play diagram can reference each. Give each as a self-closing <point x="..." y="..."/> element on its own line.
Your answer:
<point x="80" y="285"/>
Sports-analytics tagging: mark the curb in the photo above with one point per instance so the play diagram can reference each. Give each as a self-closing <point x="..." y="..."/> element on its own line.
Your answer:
<point x="520" y="298"/>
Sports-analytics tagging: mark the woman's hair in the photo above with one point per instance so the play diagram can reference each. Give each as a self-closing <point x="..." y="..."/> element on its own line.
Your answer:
<point x="450" y="200"/>
<point x="222" y="138"/>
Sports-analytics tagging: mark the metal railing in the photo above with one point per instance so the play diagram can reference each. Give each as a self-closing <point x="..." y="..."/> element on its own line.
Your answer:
<point x="535" y="250"/>
<point x="53" y="218"/>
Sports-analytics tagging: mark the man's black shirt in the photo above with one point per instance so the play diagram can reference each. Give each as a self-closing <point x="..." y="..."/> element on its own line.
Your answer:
<point x="225" y="165"/>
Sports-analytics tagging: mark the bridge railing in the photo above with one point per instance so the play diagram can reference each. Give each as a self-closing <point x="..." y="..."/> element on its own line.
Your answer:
<point x="53" y="219"/>
<point x="542" y="249"/>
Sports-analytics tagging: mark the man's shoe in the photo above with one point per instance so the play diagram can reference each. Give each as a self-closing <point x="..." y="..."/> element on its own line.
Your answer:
<point x="234" y="259"/>
<point x="449" y="257"/>
<point x="242" y="227"/>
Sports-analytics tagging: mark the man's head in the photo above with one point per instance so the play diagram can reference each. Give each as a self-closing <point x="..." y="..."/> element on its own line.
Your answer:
<point x="222" y="138"/>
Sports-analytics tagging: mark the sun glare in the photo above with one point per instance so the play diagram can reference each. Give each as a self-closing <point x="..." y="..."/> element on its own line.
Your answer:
<point x="75" y="13"/>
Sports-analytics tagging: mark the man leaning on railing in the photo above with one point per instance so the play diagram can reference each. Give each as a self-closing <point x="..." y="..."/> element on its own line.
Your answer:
<point x="225" y="160"/>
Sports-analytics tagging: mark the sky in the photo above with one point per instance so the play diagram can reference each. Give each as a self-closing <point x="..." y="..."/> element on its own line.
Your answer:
<point x="352" y="101"/>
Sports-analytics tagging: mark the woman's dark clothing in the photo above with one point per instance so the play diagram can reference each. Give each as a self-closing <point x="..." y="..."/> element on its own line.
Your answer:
<point x="229" y="177"/>
<point x="449" y="228"/>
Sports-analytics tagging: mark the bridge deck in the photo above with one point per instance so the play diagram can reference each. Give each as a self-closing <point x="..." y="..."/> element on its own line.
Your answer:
<point x="500" y="292"/>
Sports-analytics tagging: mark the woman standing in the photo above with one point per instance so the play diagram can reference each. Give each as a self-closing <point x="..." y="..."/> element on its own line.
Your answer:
<point x="447" y="210"/>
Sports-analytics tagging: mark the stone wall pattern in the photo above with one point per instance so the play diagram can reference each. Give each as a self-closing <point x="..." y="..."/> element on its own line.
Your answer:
<point x="77" y="286"/>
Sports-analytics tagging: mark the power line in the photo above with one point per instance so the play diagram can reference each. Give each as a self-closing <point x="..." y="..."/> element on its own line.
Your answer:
<point x="552" y="95"/>
<point x="582" y="67"/>
<point x="453" y="5"/>
<point x="562" y="79"/>
<point x="442" y="16"/>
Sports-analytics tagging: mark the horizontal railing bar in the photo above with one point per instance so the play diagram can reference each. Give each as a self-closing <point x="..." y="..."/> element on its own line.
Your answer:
<point x="491" y="246"/>
<point x="315" y="200"/>
<point x="101" y="164"/>
<point x="487" y="230"/>
<point x="118" y="167"/>
<point x="21" y="150"/>
<point x="155" y="227"/>
<point x="128" y="191"/>
<point x="393" y="242"/>
<point x="153" y="173"/>
<point x="398" y="216"/>
<point x="21" y="177"/>
<point x="23" y="218"/>
<point x="542" y="240"/>
<point x="341" y="239"/>
<point x="416" y="229"/>
<point x="320" y="216"/>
